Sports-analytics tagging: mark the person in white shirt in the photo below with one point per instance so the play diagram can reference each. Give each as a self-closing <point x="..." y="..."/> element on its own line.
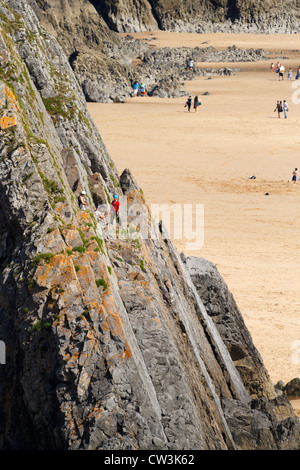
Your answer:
<point x="285" y="108"/>
<point x="294" y="175"/>
<point x="281" y="72"/>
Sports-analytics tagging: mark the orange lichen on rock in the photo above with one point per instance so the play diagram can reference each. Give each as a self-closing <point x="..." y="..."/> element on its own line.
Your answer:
<point x="87" y="231"/>
<point x="135" y="197"/>
<point x="72" y="237"/>
<point x="92" y="246"/>
<point x="78" y="287"/>
<point x="52" y="242"/>
<point x="99" y="266"/>
<point x="113" y="323"/>
<point x="59" y="270"/>
<point x="7" y="121"/>
<point x="83" y="217"/>
<point x="86" y="278"/>
<point x="100" y="301"/>
<point x="137" y="276"/>
<point x="10" y="97"/>
<point x="60" y="207"/>
<point x="9" y="107"/>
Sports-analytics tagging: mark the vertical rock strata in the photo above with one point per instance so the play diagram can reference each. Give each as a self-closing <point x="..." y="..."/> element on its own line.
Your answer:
<point x="129" y="15"/>
<point x="100" y="58"/>
<point x="108" y="343"/>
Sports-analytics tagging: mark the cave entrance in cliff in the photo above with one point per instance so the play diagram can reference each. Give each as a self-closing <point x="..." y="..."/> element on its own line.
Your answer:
<point x="233" y="10"/>
<point x="102" y="9"/>
<point x="73" y="57"/>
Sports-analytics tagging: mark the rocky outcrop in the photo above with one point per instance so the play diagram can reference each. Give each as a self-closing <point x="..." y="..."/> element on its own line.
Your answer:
<point x="292" y="388"/>
<point x="99" y="57"/>
<point x="203" y="16"/>
<point x="163" y="70"/>
<point x="222" y="309"/>
<point x="108" y="343"/>
<point x="103" y="60"/>
<point x="128" y="15"/>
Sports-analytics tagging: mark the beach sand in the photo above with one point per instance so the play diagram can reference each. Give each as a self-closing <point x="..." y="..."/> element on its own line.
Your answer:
<point x="207" y="158"/>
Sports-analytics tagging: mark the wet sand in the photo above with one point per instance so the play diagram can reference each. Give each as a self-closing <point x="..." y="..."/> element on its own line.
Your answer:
<point x="207" y="158"/>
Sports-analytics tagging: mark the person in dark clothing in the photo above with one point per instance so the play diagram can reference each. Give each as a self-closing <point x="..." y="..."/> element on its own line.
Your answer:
<point x="278" y="108"/>
<point x="82" y="202"/>
<point x="188" y="103"/>
<point x="196" y="103"/>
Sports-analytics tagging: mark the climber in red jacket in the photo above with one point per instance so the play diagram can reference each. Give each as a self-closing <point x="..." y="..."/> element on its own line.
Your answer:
<point x="115" y="212"/>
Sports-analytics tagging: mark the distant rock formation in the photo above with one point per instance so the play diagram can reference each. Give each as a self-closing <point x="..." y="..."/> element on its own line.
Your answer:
<point x="127" y="15"/>
<point x="113" y="341"/>
<point x="201" y="16"/>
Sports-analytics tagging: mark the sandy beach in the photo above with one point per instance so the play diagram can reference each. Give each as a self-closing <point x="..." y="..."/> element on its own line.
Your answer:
<point x="251" y="226"/>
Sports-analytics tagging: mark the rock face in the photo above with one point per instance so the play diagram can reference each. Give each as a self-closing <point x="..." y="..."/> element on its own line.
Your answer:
<point x="108" y="343"/>
<point x="202" y="16"/>
<point x="222" y="309"/>
<point x="99" y="57"/>
<point x="128" y="15"/>
<point x="292" y="388"/>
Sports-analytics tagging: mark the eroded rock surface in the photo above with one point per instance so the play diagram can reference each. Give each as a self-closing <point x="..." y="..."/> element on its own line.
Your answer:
<point x="203" y="16"/>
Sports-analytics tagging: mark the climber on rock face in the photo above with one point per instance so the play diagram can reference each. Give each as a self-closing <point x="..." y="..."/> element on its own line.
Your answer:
<point x="100" y="216"/>
<point x="115" y="210"/>
<point x="82" y="200"/>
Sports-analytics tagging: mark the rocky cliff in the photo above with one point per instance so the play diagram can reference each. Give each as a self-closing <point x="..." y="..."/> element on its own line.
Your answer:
<point x="113" y="340"/>
<point x="103" y="61"/>
<point x="201" y="15"/>
<point x="100" y="58"/>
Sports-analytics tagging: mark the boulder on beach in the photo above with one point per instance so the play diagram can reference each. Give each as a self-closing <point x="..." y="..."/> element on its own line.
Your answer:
<point x="292" y="388"/>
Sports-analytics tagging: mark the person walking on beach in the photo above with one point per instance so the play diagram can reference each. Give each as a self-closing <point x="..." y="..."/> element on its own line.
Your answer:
<point x="281" y="72"/>
<point x="285" y="108"/>
<point x="188" y="103"/>
<point x="278" y="108"/>
<point x="272" y="66"/>
<point x="197" y="103"/>
<point x="289" y="77"/>
<point x="294" y="175"/>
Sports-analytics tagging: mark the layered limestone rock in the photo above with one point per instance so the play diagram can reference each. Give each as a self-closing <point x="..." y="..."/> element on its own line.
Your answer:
<point x="99" y="57"/>
<point x="108" y="343"/>
<point x="128" y="15"/>
<point x="202" y="16"/>
<point x="222" y="309"/>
